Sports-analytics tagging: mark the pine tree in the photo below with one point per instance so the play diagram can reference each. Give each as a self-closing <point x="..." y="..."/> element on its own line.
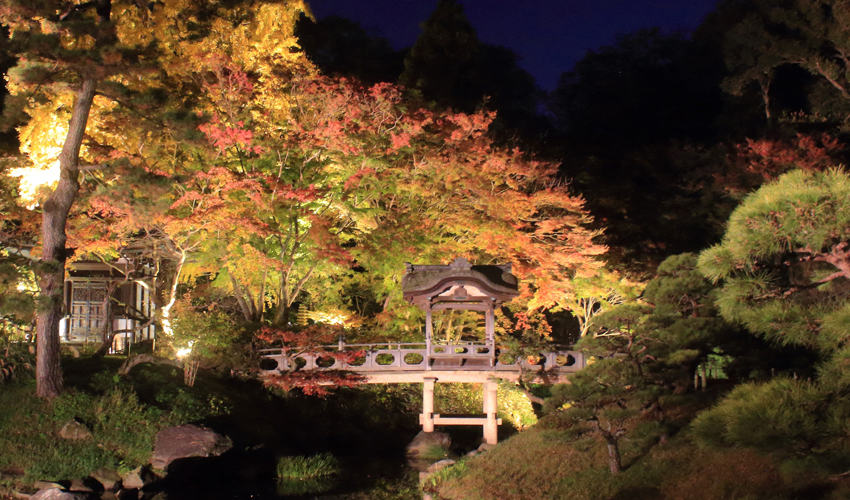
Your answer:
<point x="784" y="265"/>
<point x="442" y="62"/>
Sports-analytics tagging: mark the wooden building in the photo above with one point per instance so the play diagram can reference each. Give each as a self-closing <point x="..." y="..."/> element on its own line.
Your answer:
<point x="105" y="298"/>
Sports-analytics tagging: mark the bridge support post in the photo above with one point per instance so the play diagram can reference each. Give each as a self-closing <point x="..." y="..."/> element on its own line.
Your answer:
<point x="428" y="405"/>
<point x="491" y="409"/>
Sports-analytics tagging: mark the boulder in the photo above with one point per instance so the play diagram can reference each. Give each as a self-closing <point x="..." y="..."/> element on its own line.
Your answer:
<point x="74" y="430"/>
<point x="442" y="464"/>
<point x="138" y="478"/>
<point x="109" y="479"/>
<point x="46" y="485"/>
<point x="57" y="494"/>
<point x="425" y="440"/>
<point x="185" y="441"/>
<point x="88" y="484"/>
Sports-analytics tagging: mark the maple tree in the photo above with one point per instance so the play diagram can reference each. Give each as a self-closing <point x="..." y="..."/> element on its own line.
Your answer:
<point x="756" y="162"/>
<point x="362" y="174"/>
<point x="270" y="180"/>
<point x="311" y="341"/>
<point x="120" y="57"/>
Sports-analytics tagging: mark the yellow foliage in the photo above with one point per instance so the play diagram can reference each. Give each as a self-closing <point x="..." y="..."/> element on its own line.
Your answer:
<point x="468" y="399"/>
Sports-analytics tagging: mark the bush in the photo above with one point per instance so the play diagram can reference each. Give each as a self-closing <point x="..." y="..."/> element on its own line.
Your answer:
<point x="16" y="363"/>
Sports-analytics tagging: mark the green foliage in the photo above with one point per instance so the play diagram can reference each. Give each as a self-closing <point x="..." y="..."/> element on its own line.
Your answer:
<point x="16" y="362"/>
<point x="123" y="415"/>
<point x="783" y="260"/>
<point x="784" y="267"/>
<point x="311" y="467"/>
<point x="468" y="399"/>
<point x="17" y="291"/>
<point x="435" y="452"/>
<point x="795" y="416"/>
<point x="768" y="36"/>
<point x="118" y="422"/>
<point x="645" y="350"/>
<point x="122" y="433"/>
<point x="449" y="473"/>
<point x="216" y="339"/>
<point x="547" y="463"/>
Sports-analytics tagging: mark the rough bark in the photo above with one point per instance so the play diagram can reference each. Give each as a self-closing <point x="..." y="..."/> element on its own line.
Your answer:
<point x="281" y="317"/>
<point x="612" y="438"/>
<point x="614" y="457"/>
<point x="51" y="269"/>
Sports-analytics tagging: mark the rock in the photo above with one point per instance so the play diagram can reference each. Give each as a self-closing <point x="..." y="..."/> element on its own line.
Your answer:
<point x="138" y="478"/>
<point x="74" y="430"/>
<point x="110" y="480"/>
<point x="442" y="464"/>
<point x="88" y="484"/>
<point x="425" y="440"/>
<point x="472" y="453"/>
<point x="486" y="447"/>
<point x="46" y="485"/>
<point x="186" y="441"/>
<point x="57" y="494"/>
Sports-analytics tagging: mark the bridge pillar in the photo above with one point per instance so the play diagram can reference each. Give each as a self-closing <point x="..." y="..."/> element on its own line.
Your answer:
<point x="491" y="409"/>
<point x="428" y="405"/>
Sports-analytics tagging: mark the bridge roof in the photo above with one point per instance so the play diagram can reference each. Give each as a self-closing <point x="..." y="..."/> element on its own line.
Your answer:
<point x="422" y="283"/>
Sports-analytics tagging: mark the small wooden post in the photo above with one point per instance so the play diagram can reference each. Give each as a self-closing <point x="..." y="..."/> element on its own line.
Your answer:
<point x="428" y="405"/>
<point x="491" y="409"/>
<point x="429" y="330"/>
<point x="490" y="333"/>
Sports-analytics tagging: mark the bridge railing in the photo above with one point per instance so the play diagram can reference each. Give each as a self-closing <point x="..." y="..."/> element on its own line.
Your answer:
<point x="414" y="356"/>
<point x="461" y="349"/>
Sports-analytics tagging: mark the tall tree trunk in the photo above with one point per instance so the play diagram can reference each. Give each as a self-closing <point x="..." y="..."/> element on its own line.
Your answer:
<point x="281" y="315"/>
<point x="109" y="335"/>
<point x="614" y="456"/>
<point x="612" y="439"/>
<point x="764" y="82"/>
<point x="165" y="311"/>
<point x="51" y="271"/>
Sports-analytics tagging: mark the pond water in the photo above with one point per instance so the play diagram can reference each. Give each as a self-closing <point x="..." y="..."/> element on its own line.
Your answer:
<point x="367" y="430"/>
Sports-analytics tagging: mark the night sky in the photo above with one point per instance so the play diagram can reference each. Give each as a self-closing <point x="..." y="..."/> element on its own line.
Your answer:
<point x="549" y="35"/>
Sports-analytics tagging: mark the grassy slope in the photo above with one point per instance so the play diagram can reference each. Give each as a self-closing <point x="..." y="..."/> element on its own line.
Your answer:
<point x="557" y="464"/>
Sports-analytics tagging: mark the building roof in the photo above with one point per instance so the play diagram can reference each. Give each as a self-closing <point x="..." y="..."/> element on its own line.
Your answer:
<point x="426" y="284"/>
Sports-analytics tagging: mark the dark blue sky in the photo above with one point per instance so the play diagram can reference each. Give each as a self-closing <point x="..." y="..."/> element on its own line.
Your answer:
<point x="549" y="35"/>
